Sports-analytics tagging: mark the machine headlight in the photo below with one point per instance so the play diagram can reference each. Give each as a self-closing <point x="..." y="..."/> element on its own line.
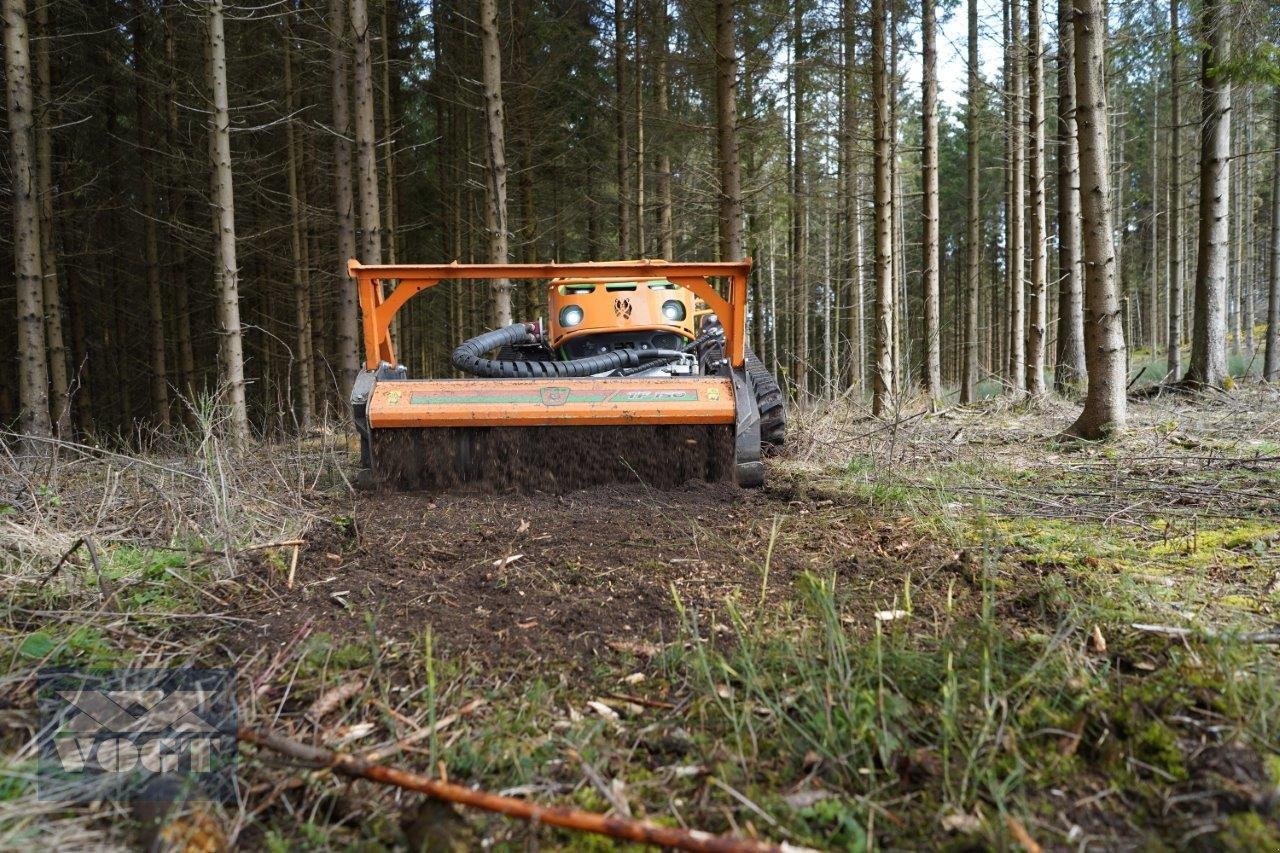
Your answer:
<point x="570" y="315"/>
<point x="673" y="310"/>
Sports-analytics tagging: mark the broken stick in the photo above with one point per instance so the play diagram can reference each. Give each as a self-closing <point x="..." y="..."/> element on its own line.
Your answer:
<point x="639" y="831"/>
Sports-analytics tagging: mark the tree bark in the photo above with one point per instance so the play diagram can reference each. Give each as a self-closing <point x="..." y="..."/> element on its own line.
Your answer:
<point x="624" y="160"/>
<point x="883" y="380"/>
<point x="33" y="365"/>
<point x="297" y="234"/>
<point x="231" y="345"/>
<point x="929" y="204"/>
<point x="59" y="381"/>
<point x="177" y="201"/>
<point x="388" y="140"/>
<point x="638" y="93"/>
<point x="1271" y="361"/>
<point x="496" y="185"/>
<point x="799" y="284"/>
<point x="343" y="196"/>
<point x="1173" y="356"/>
<point x="1039" y="321"/>
<point x="366" y="137"/>
<point x="1208" y="366"/>
<point x="158" y="378"/>
<point x="973" y="249"/>
<point x="666" y="233"/>
<point x="731" y="247"/>
<point x="1104" y="407"/>
<point x="1016" y="237"/>
<point x="1069" y="366"/>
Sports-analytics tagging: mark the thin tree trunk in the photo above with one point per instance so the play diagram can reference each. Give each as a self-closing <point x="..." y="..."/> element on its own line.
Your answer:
<point x="1039" y="321"/>
<point x="343" y="196"/>
<point x="666" y="234"/>
<point x="33" y="365"/>
<point x="883" y="379"/>
<point x="297" y="233"/>
<point x="366" y="137"/>
<point x="1104" y="407"/>
<point x="1208" y="339"/>
<point x="798" y="290"/>
<point x="1271" y="362"/>
<point x="1069" y="369"/>
<point x="59" y="380"/>
<point x="1173" y="357"/>
<point x="1016" y="235"/>
<point x="929" y="205"/>
<point x="624" y="164"/>
<point x="731" y="246"/>
<point x="231" y="347"/>
<point x="969" y="372"/>
<point x="849" y="95"/>
<point x="388" y="141"/>
<point x="177" y="200"/>
<point x="158" y="378"/>
<point x="638" y="85"/>
<point x="496" y="185"/>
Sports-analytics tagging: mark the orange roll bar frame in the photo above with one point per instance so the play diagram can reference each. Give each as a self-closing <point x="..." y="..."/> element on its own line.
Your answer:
<point x="377" y="308"/>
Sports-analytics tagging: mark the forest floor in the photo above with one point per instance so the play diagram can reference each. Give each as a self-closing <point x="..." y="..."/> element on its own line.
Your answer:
<point x="945" y="629"/>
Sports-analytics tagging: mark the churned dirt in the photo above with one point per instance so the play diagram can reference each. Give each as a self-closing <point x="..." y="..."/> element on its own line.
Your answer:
<point x="572" y="576"/>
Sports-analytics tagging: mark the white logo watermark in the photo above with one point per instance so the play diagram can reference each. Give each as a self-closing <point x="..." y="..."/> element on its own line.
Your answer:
<point x="136" y="734"/>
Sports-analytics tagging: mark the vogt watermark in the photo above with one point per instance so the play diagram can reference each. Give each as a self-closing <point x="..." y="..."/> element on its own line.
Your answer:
<point x="136" y="734"/>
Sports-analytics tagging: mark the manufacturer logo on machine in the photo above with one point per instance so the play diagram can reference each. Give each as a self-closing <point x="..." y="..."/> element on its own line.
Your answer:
<point x="554" y="396"/>
<point x="393" y="398"/>
<point x="622" y="308"/>
<point x="655" y="396"/>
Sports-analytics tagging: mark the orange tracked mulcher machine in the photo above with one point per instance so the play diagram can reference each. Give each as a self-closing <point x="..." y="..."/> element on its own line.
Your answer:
<point x="642" y="373"/>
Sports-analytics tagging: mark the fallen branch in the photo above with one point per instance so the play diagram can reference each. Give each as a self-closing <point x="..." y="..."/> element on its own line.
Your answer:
<point x="1264" y="637"/>
<point x="638" y="831"/>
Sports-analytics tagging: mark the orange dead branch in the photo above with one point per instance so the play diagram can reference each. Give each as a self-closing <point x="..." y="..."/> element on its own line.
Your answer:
<point x="638" y="831"/>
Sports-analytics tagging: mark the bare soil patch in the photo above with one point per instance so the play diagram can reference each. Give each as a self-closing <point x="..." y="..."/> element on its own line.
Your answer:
<point x="570" y="577"/>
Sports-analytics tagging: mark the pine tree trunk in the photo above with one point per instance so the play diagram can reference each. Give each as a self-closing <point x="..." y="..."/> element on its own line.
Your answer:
<point x="929" y="205"/>
<point x="227" y="273"/>
<point x="731" y="246"/>
<point x="624" y="161"/>
<point x="343" y="196"/>
<point x="1208" y="338"/>
<point x="388" y="141"/>
<point x="973" y="249"/>
<point x="1271" y="361"/>
<point x="33" y="365"/>
<point x="158" y="378"/>
<point x="798" y="289"/>
<point x="177" y="201"/>
<point x="1016" y="237"/>
<point x="883" y="379"/>
<point x="1038" y="228"/>
<point x="496" y="185"/>
<point x="1104" y="407"/>
<point x="297" y="234"/>
<point x="850" y="93"/>
<point x="1173" y="357"/>
<point x="1069" y="367"/>
<point x="637" y="84"/>
<point x="366" y="137"/>
<point x="59" y="381"/>
<point x="666" y="233"/>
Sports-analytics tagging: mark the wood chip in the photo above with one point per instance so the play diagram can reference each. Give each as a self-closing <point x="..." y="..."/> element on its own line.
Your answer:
<point x="331" y="699"/>
<point x="1097" y="642"/>
<point x="603" y="710"/>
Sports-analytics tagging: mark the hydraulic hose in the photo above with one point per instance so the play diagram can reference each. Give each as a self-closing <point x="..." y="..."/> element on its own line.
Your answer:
<point x="469" y="357"/>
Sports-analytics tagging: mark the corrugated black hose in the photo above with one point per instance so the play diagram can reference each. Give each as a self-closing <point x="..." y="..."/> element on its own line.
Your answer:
<point x="469" y="357"/>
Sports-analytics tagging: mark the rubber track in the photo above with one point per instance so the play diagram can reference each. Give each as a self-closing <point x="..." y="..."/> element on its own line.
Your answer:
<point x="769" y="400"/>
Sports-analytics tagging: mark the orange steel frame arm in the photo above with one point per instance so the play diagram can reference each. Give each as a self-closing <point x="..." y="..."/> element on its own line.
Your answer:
<point x="378" y="308"/>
